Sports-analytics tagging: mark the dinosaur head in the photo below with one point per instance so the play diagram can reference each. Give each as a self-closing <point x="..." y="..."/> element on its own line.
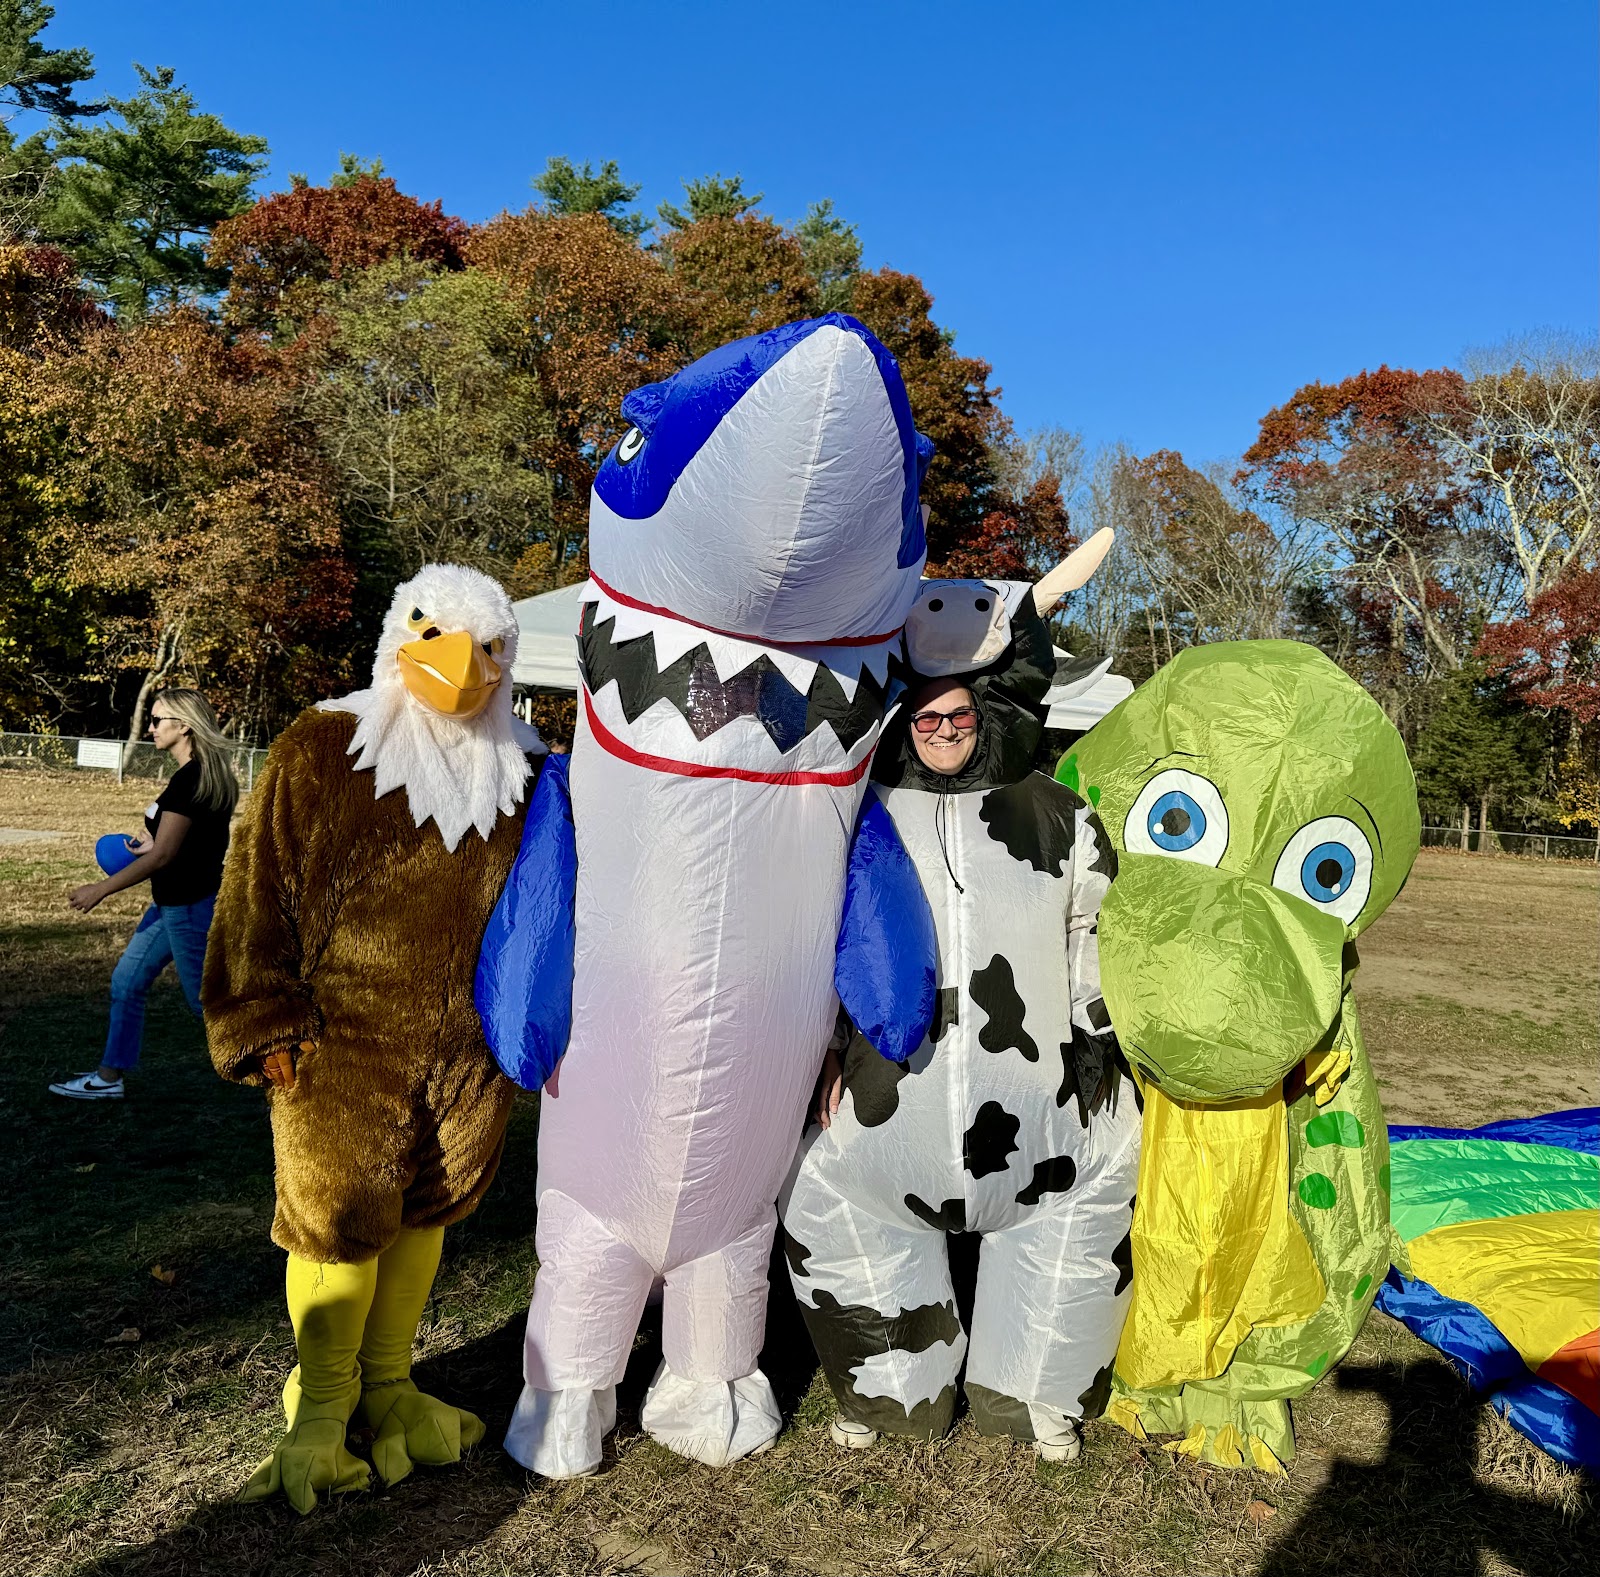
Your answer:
<point x="769" y="490"/>
<point x="1264" y="814"/>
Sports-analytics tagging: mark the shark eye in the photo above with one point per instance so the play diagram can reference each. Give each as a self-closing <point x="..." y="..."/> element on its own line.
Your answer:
<point x="936" y="605"/>
<point x="981" y="604"/>
<point x="1328" y="862"/>
<point x="1178" y="813"/>
<point x="632" y="443"/>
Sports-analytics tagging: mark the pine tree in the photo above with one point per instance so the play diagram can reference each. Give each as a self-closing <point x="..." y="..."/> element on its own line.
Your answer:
<point x="135" y="203"/>
<point x="569" y="190"/>
<point x="713" y="197"/>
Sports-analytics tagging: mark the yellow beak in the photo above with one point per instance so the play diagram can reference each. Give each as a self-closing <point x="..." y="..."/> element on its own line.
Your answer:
<point x="452" y="674"/>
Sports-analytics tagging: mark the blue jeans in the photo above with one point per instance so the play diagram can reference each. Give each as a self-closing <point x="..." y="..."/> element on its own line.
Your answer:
<point x="170" y="934"/>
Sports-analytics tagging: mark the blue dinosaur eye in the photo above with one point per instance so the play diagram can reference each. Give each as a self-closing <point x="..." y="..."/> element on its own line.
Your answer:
<point x="1328" y="862"/>
<point x="632" y="442"/>
<point x="1176" y="822"/>
<point x="1327" y="871"/>
<point x="1180" y="813"/>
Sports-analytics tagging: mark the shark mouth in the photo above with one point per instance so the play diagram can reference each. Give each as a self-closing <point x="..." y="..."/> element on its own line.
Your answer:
<point x="672" y="696"/>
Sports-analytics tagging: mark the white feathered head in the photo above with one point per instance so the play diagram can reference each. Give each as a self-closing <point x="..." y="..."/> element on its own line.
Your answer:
<point x="437" y="720"/>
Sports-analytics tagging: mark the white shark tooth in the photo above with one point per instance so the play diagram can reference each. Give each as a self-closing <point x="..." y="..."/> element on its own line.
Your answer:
<point x="798" y="669"/>
<point x="673" y="638"/>
<point x="730" y="656"/>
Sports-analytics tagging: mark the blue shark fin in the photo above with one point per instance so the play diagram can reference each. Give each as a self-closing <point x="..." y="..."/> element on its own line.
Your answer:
<point x="886" y="966"/>
<point x="523" y="988"/>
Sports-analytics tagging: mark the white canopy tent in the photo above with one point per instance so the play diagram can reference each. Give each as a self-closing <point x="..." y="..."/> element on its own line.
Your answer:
<point x="547" y="659"/>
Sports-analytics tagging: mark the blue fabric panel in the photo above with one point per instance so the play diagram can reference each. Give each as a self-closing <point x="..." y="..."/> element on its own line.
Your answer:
<point x="1551" y="1418"/>
<point x="523" y="988"/>
<point x="1577" y="1129"/>
<point x="678" y="415"/>
<point x="886" y="966"/>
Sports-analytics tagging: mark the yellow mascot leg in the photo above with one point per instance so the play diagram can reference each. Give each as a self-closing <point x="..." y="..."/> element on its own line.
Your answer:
<point x="408" y="1425"/>
<point x="328" y="1308"/>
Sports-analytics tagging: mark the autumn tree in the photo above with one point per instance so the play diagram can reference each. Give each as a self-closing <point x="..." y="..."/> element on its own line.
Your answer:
<point x="737" y="276"/>
<point x="569" y="190"/>
<point x="431" y="422"/>
<point x="1525" y="434"/>
<point x="135" y="203"/>
<point x="200" y="516"/>
<point x="281" y="251"/>
<point x="1362" y="460"/>
<point x="597" y="317"/>
<point x="951" y="401"/>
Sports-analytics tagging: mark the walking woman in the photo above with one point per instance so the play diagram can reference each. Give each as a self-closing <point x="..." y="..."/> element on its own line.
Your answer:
<point x="180" y="855"/>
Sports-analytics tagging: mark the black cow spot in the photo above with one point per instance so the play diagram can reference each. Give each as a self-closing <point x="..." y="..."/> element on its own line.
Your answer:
<point x="946" y="1013"/>
<point x="1054" y="1176"/>
<point x="795" y="1252"/>
<point x="1097" y="1061"/>
<point x="1122" y="1258"/>
<point x="990" y="1141"/>
<point x="994" y="989"/>
<point x="1095" y="1012"/>
<point x="1104" y="862"/>
<point x="1035" y="818"/>
<point x="951" y="1216"/>
<point x="846" y="1335"/>
<point x="1093" y="1400"/>
<point x="874" y="1081"/>
<point x="1069" y="1081"/>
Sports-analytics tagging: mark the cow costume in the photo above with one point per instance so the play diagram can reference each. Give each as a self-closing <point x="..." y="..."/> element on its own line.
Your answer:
<point x="1010" y="1120"/>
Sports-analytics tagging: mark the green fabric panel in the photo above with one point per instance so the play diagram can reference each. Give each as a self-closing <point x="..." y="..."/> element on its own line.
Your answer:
<point x="1439" y="1182"/>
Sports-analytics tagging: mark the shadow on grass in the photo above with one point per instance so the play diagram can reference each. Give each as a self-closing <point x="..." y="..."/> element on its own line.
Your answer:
<point x="1422" y="1509"/>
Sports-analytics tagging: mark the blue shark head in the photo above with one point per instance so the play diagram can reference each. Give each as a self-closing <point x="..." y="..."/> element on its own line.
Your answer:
<point x="769" y="489"/>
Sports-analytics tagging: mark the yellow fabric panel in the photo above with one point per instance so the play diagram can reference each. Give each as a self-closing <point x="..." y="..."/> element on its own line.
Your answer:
<point x="1535" y="1277"/>
<point x="1216" y="1250"/>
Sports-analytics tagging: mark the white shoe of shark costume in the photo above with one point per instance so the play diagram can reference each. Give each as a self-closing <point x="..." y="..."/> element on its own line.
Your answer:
<point x="1010" y="1120"/>
<point x="756" y="543"/>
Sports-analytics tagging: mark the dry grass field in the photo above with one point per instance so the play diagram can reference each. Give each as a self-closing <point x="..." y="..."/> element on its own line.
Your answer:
<point x="132" y="1406"/>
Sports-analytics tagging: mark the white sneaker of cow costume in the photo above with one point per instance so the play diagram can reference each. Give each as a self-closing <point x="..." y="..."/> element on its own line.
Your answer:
<point x="959" y="626"/>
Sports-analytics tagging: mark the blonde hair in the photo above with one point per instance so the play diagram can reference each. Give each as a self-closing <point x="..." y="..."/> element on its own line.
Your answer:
<point x="219" y="788"/>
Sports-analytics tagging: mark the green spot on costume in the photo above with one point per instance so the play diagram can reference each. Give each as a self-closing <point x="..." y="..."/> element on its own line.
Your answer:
<point x="1264" y="814"/>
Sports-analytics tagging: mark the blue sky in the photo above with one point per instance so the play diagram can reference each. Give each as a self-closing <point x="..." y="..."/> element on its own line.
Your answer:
<point x="1155" y="220"/>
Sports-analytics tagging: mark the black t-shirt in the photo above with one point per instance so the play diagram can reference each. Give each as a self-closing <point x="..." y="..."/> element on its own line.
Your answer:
<point x="196" y="870"/>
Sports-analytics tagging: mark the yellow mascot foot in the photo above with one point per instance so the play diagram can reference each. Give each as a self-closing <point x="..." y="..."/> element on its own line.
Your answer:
<point x="410" y="1427"/>
<point x="309" y="1459"/>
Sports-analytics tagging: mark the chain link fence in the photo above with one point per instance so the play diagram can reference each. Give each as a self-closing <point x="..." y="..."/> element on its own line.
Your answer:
<point x="70" y="753"/>
<point x="1530" y="845"/>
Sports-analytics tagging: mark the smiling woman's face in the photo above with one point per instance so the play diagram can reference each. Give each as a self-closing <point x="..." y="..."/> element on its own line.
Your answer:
<point x="948" y="745"/>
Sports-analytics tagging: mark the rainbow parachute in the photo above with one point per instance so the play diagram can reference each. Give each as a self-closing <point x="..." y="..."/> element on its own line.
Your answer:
<point x="1502" y="1232"/>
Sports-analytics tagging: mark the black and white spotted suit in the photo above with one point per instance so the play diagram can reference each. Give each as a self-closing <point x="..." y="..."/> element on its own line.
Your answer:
<point x="1010" y="1120"/>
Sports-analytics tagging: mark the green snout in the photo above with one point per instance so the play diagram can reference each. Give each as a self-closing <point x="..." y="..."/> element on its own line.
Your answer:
<point x="1217" y="986"/>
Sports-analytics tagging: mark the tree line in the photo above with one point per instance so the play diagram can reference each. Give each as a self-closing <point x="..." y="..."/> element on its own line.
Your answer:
<point x="229" y="423"/>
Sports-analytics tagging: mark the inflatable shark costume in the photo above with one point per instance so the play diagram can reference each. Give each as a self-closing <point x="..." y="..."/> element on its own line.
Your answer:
<point x="685" y="894"/>
<point x="1010" y="1120"/>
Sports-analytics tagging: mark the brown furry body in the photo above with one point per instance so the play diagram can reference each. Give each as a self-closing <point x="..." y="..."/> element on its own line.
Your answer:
<point x="343" y="923"/>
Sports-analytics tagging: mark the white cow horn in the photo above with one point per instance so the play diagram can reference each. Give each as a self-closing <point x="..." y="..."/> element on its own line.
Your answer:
<point x="1072" y="571"/>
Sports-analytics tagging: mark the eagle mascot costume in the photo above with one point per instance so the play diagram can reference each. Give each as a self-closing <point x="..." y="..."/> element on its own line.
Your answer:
<point x="339" y="975"/>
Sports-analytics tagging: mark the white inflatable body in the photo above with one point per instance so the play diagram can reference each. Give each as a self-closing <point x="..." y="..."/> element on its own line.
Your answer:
<point x="767" y="498"/>
<point x="1010" y="1120"/>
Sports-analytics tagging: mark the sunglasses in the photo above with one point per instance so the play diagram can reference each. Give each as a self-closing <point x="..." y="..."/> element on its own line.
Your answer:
<point x="964" y="719"/>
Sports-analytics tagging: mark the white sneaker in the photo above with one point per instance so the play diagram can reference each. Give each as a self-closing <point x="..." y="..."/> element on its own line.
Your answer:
<point x="851" y="1435"/>
<point x="88" y="1087"/>
<point x="1060" y="1441"/>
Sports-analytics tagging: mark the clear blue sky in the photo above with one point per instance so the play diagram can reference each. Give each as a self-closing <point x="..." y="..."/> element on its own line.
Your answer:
<point x="1155" y="219"/>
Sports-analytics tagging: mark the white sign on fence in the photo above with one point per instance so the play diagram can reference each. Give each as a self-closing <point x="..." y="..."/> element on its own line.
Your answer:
<point x="100" y="753"/>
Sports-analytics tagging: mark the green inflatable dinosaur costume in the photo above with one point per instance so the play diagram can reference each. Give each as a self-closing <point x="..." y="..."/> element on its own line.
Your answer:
<point x="1264" y="814"/>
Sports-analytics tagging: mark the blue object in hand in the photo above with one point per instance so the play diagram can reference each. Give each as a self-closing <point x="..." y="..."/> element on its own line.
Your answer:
<point x="112" y="854"/>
